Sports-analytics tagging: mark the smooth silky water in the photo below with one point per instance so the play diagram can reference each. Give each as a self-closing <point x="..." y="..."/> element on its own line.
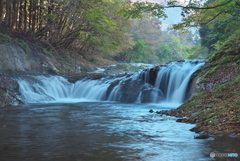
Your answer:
<point x="79" y="121"/>
<point x="101" y="131"/>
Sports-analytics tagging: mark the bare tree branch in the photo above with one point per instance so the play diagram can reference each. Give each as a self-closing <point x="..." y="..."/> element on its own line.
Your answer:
<point x="201" y="8"/>
<point x="214" y="17"/>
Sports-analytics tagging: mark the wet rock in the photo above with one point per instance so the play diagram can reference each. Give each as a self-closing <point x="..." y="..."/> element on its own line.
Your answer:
<point x="9" y="95"/>
<point x="110" y="88"/>
<point x="202" y="136"/>
<point x="197" y="129"/>
<point x="130" y="90"/>
<point x="181" y="61"/>
<point x="174" y="112"/>
<point x="127" y="90"/>
<point x="182" y="120"/>
<point x="153" y="75"/>
<point x="151" y="111"/>
<point x="147" y="95"/>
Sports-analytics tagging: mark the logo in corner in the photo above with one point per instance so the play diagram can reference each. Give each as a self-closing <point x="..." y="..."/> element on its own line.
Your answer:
<point x="212" y="155"/>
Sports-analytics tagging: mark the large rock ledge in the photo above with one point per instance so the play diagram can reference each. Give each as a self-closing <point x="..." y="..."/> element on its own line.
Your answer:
<point x="16" y="59"/>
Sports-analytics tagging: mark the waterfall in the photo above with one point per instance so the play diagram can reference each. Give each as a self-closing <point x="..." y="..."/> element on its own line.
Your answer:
<point x="167" y="83"/>
<point x="173" y="79"/>
<point x="56" y="88"/>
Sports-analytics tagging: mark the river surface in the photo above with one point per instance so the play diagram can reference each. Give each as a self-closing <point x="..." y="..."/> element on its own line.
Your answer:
<point x="102" y="131"/>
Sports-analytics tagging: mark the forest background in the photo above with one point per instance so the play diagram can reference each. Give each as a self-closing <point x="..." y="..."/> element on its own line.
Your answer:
<point x="119" y="30"/>
<point x="96" y="29"/>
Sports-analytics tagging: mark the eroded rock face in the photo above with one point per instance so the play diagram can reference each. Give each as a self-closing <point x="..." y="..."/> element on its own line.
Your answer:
<point x="16" y="59"/>
<point x="153" y="75"/>
<point x="9" y="95"/>
<point x="130" y="90"/>
<point x="149" y="76"/>
<point x="111" y="87"/>
<point x="148" y="94"/>
<point x="212" y="78"/>
<point x="127" y="90"/>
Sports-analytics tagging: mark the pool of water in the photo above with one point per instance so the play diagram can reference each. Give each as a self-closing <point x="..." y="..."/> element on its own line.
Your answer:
<point x="102" y="131"/>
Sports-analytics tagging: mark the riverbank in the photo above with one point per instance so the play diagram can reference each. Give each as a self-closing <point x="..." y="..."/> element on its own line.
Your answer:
<point x="215" y="105"/>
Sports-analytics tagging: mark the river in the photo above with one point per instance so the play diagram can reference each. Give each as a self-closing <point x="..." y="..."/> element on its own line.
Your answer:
<point x="101" y="131"/>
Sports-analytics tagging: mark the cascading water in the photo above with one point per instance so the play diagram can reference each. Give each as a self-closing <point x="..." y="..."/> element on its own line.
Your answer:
<point x="172" y="81"/>
<point x="162" y="84"/>
<point x="57" y="88"/>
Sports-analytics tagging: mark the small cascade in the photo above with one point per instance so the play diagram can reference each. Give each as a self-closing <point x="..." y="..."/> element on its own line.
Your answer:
<point x="41" y="88"/>
<point x="172" y="80"/>
<point x="167" y="83"/>
<point x="56" y="88"/>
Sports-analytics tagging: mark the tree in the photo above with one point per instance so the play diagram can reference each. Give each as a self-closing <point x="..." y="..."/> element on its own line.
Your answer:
<point x="217" y="19"/>
<point x="87" y="26"/>
<point x="196" y="12"/>
<point x="219" y="29"/>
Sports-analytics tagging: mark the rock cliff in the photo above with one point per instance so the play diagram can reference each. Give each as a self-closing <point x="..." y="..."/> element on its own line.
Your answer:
<point x="15" y="59"/>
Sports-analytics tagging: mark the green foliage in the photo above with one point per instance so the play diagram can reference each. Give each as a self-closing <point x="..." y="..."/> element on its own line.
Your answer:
<point x="238" y="62"/>
<point x="139" y="49"/>
<point x="217" y="32"/>
<point x="210" y="57"/>
<point x="50" y="16"/>
<point x="164" y="51"/>
<point x="47" y="51"/>
<point x="225" y="60"/>
<point x="138" y="9"/>
<point x="173" y="46"/>
<point x="101" y="27"/>
<point x="200" y="94"/>
<point x="151" y="45"/>
<point x="232" y="42"/>
<point x="220" y="88"/>
<point x="217" y="23"/>
<point x="105" y="27"/>
<point x="212" y="71"/>
<point x="5" y="38"/>
<point x="237" y="80"/>
<point x="138" y="53"/>
<point x="22" y="43"/>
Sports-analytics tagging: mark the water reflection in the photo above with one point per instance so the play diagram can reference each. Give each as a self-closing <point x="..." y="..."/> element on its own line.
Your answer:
<point x="100" y="132"/>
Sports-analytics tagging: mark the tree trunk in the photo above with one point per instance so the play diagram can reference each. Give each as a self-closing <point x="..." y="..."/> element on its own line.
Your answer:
<point x="34" y="14"/>
<point x="25" y="15"/>
<point x="8" y="13"/>
<point x="40" y="16"/>
<point x="30" y="16"/>
<point x="14" y="14"/>
<point x="20" y="18"/>
<point x="1" y="11"/>
<point x="50" y="21"/>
